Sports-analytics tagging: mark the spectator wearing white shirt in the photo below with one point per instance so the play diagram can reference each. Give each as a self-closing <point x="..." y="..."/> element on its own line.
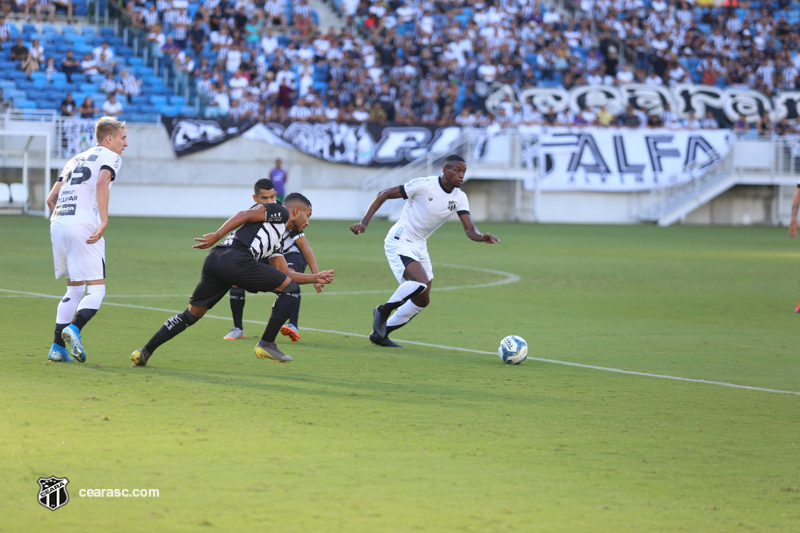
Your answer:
<point x="269" y="43"/>
<point x="238" y="83"/>
<point x="625" y="76"/>
<point x="654" y="80"/>
<point x="112" y="107"/>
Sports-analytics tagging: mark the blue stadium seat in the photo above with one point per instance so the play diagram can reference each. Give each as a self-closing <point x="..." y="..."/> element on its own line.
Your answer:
<point x="170" y="110"/>
<point x="88" y="30"/>
<point x="23" y="103"/>
<point x="177" y="100"/>
<point x="29" y="28"/>
<point x="158" y="100"/>
<point x="188" y="111"/>
<point x="7" y="85"/>
<point x="68" y="30"/>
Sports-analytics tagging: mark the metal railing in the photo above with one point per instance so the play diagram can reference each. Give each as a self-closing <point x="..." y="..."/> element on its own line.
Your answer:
<point x="780" y="162"/>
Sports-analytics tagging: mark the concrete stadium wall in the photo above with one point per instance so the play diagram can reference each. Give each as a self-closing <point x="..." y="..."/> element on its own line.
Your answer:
<point x="219" y="181"/>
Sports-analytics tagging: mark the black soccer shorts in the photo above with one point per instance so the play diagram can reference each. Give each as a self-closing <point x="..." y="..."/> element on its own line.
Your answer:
<point x="225" y="267"/>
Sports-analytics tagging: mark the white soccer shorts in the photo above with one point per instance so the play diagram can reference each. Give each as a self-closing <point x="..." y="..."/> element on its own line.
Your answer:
<point x="73" y="257"/>
<point x="418" y="251"/>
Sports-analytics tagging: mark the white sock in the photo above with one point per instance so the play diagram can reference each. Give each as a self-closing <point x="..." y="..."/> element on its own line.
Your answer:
<point x="406" y="289"/>
<point x="404" y="313"/>
<point x="94" y="297"/>
<point x="69" y="304"/>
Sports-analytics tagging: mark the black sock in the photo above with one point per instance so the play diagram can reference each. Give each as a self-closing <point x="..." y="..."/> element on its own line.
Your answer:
<point x="237" y="306"/>
<point x="57" y="337"/>
<point x="284" y="306"/>
<point x="295" y="316"/>
<point x="171" y="328"/>
<point x="82" y="317"/>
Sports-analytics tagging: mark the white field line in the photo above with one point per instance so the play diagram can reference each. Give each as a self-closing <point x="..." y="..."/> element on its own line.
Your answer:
<point x="482" y="352"/>
<point x="505" y="279"/>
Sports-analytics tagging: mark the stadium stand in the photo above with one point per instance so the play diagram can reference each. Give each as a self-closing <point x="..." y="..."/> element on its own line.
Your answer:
<point x="406" y="61"/>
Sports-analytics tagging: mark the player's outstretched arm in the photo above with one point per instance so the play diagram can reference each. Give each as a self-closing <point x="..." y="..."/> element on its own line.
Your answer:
<point x="391" y="193"/>
<point x="208" y="240"/>
<point x="473" y="233"/>
<point x="308" y="255"/>
<point x="323" y="277"/>
<point x="795" y="207"/>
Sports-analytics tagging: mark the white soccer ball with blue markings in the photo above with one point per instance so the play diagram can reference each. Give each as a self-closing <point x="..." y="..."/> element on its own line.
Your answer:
<point x="513" y="350"/>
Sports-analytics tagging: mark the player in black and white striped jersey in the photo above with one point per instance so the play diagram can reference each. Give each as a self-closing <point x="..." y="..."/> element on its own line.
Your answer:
<point x="250" y="236"/>
<point x="298" y="255"/>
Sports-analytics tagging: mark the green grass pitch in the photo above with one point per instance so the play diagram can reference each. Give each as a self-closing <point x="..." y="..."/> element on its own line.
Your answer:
<point x="439" y="436"/>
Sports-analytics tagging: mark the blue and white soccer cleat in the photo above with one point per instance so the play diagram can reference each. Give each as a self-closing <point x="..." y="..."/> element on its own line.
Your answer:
<point x="59" y="354"/>
<point x="72" y="336"/>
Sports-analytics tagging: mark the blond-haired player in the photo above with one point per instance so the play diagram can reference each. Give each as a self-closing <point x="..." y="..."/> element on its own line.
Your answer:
<point x="79" y="201"/>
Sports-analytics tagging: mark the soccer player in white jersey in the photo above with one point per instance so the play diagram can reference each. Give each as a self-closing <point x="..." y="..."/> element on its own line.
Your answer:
<point x="79" y="201"/>
<point x="431" y="201"/>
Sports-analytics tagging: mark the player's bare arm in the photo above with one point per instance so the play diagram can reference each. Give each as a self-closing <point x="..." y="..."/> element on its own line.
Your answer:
<point x="473" y="233"/>
<point x="52" y="198"/>
<point x="308" y="255"/>
<point x="323" y="278"/>
<point x="795" y="207"/>
<point x="256" y="214"/>
<point x="393" y="193"/>
<point x="103" y="186"/>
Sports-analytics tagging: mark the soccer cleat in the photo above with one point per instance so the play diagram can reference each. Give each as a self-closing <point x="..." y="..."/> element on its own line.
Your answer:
<point x="290" y="330"/>
<point x="379" y="322"/>
<point x="59" y="354"/>
<point x="235" y="334"/>
<point x="139" y="357"/>
<point x="72" y="336"/>
<point x="268" y="350"/>
<point x="797" y="309"/>
<point x="383" y="341"/>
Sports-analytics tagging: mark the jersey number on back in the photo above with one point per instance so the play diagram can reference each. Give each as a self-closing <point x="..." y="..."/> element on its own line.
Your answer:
<point x="81" y="173"/>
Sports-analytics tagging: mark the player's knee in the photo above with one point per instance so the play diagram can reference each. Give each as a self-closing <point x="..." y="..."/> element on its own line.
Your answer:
<point x="189" y="318"/>
<point x="291" y="288"/>
<point x="422" y="300"/>
<point x="196" y="312"/>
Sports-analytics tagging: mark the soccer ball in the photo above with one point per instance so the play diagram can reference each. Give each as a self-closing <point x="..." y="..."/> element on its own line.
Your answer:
<point x="513" y="350"/>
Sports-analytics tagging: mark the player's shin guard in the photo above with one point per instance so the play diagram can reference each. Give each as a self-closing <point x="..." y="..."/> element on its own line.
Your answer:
<point x="171" y="328"/>
<point x="285" y="305"/>
<point x="237" y="306"/>
<point x="89" y="305"/>
<point x="402" y="316"/>
<point x="406" y="291"/>
<point x="66" y="310"/>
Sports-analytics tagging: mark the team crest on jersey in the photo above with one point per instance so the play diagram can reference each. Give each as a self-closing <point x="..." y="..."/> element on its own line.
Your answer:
<point x="116" y="163"/>
<point x="451" y="205"/>
<point x="53" y="492"/>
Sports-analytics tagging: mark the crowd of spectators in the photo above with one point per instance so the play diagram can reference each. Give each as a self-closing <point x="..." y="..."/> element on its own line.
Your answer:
<point x="420" y="61"/>
<point x="434" y="63"/>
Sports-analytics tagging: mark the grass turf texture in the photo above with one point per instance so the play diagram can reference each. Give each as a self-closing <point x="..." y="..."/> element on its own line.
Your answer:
<point x="352" y="437"/>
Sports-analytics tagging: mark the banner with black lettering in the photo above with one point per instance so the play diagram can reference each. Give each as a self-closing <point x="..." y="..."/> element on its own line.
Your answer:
<point x="362" y="143"/>
<point x="190" y="135"/>
<point x="621" y="160"/>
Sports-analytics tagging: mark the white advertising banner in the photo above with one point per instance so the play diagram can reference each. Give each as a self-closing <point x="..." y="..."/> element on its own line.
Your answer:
<point x="621" y="160"/>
